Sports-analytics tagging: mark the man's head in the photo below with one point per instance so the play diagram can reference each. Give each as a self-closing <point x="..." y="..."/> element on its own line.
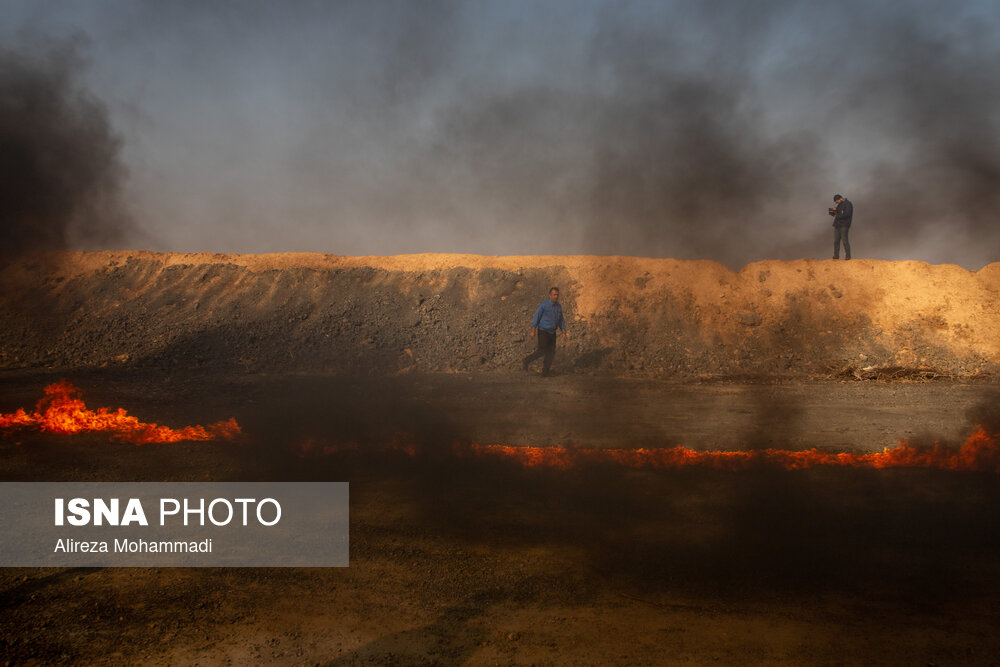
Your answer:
<point x="554" y="294"/>
<point x="838" y="198"/>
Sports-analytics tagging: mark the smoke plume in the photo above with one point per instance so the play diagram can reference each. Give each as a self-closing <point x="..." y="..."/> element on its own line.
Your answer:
<point x="685" y="129"/>
<point x="59" y="163"/>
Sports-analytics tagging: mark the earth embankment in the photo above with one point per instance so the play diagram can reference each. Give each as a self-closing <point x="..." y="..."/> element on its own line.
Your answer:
<point x="462" y="313"/>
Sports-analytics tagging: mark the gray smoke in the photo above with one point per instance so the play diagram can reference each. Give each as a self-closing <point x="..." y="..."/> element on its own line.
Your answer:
<point x="721" y="130"/>
<point x="934" y="90"/>
<point x="60" y="171"/>
<point x="686" y="129"/>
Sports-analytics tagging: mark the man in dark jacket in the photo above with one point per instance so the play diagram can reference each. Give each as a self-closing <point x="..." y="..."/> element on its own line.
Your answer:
<point x="841" y="224"/>
<point x="548" y="318"/>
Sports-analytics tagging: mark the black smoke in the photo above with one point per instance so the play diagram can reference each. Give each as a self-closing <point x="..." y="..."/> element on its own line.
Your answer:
<point x="710" y="130"/>
<point x="932" y="89"/>
<point x="60" y="168"/>
<point x="687" y="129"/>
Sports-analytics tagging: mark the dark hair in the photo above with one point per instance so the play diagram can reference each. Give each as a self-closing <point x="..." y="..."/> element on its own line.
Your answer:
<point x="553" y="289"/>
<point x="836" y="197"/>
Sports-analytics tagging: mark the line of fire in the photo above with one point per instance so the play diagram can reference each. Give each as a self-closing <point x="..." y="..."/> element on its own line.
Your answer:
<point x="63" y="411"/>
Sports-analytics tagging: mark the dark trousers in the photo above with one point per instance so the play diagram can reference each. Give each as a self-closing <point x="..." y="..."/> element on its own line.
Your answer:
<point x="838" y="234"/>
<point x="546" y="349"/>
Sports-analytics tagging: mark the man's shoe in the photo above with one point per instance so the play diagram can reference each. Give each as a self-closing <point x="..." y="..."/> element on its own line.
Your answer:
<point x="835" y="257"/>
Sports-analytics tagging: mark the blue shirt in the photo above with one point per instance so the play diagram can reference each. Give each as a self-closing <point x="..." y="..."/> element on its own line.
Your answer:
<point x="549" y="316"/>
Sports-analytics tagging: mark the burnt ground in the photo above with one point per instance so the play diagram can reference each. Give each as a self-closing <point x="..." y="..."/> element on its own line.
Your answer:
<point x="484" y="562"/>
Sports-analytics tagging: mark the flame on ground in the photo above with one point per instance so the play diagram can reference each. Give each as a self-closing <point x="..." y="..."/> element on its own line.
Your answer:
<point x="980" y="452"/>
<point x="63" y="411"/>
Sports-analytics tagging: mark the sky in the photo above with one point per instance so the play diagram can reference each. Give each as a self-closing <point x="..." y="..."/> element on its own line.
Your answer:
<point x="689" y="129"/>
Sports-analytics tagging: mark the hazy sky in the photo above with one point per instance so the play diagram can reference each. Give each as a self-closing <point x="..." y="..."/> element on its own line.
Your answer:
<point x="693" y="129"/>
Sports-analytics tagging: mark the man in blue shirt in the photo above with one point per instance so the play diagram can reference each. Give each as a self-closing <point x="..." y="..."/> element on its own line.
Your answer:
<point x="547" y="319"/>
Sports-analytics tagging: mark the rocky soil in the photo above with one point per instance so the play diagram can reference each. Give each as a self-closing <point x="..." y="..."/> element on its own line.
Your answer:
<point x="863" y="319"/>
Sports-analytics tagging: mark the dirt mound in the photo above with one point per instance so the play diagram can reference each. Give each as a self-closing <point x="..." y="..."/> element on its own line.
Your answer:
<point x="861" y="319"/>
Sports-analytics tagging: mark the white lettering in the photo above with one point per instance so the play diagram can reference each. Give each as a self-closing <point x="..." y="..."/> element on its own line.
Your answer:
<point x="200" y="511"/>
<point x="79" y="512"/>
<point x="163" y="509"/>
<point x="245" y="502"/>
<point x="103" y="511"/>
<point x="211" y="514"/>
<point x="220" y="511"/>
<point x="134" y="513"/>
<point x="277" y="511"/>
<point x="76" y="546"/>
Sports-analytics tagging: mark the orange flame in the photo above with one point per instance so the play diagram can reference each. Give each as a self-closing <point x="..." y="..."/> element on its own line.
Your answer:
<point x="63" y="411"/>
<point x="980" y="452"/>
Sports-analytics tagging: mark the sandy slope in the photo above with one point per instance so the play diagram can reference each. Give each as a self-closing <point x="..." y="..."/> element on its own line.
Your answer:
<point x="436" y="312"/>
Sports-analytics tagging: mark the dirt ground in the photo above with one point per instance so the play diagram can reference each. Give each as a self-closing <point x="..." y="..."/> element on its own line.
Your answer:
<point x="433" y="313"/>
<point x="485" y="562"/>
